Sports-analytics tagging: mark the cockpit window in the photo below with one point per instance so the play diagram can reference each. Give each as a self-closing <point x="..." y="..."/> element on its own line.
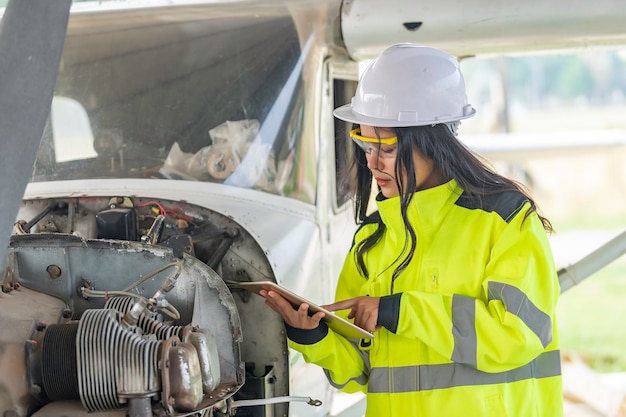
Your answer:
<point x="195" y="95"/>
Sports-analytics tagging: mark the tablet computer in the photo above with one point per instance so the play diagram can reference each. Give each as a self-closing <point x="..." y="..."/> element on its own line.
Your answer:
<point x="336" y="323"/>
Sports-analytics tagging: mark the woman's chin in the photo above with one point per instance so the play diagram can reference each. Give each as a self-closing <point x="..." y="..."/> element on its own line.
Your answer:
<point x="389" y="193"/>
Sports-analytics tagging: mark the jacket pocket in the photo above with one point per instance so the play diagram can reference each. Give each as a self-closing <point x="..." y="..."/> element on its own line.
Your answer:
<point x="495" y="406"/>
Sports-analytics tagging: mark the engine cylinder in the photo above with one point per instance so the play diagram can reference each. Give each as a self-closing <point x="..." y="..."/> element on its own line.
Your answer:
<point x="201" y="340"/>
<point x="114" y="362"/>
<point x="146" y="323"/>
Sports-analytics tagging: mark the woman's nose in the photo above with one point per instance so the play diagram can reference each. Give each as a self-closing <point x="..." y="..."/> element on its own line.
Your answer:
<point x="373" y="162"/>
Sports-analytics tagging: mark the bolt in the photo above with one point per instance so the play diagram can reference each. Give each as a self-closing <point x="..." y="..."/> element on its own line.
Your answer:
<point x="54" y="271"/>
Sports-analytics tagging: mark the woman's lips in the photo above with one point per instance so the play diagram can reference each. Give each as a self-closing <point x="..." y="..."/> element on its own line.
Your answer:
<point x="382" y="182"/>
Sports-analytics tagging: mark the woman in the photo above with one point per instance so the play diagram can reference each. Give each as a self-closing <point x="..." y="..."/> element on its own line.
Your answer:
<point x="453" y="272"/>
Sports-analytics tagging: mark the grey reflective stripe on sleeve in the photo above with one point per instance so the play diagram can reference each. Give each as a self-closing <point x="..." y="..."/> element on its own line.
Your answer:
<point x="449" y="375"/>
<point x="517" y="303"/>
<point x="464" y="329"/>
<point x="361" y="379"/>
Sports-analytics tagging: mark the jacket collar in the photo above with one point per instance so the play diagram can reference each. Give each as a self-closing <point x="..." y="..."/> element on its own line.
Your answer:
<point x="426" y="210"/>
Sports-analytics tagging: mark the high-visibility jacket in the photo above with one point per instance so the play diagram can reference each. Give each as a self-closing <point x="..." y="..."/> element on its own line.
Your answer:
<point x="470" y="326"/>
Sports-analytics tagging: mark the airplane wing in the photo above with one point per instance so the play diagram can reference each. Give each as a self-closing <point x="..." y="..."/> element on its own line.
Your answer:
<point x="465" y="28"/>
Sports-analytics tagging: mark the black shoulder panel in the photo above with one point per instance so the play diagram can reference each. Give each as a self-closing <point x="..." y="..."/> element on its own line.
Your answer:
<point x="506" y="204"/>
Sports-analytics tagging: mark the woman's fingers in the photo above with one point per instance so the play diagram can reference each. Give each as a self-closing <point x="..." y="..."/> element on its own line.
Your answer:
<point x="364" y="311"/>
<point x="298" y="318"/>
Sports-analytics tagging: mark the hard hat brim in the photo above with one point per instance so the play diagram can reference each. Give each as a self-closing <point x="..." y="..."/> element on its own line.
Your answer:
<point x="346" y="113"/>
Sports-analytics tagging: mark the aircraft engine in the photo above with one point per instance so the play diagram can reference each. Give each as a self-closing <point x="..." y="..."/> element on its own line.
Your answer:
<point x="115" y="326"/>
<point x="177" y="364"/>
<point x="119" y="307"/>
<point x="96" y="322"/>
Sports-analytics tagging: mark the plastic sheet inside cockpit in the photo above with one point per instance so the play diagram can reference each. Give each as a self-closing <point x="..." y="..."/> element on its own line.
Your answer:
<point x="231" y="143"/>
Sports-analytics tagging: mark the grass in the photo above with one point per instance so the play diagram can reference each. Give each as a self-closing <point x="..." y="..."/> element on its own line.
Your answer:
<point x="591" y="315"/>
<point x="591" y="319"/>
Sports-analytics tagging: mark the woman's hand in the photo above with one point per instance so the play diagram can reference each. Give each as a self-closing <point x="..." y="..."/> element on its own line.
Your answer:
<point x="364" y="311"/>
<point x="299" y="318"/>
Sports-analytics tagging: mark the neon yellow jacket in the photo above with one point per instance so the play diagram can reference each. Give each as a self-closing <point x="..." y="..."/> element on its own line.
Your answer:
<point x="469" y="329"/>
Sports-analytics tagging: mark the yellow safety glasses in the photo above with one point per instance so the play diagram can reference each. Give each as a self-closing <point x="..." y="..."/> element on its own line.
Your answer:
<point x="383" y="147"/>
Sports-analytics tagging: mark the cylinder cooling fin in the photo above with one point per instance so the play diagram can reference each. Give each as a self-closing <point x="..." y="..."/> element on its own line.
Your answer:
<point x="58" y="362"/>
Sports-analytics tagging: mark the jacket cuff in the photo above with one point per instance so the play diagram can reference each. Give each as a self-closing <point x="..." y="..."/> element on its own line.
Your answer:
<point x="307" y="336"/>
<point x="389" y="312"/>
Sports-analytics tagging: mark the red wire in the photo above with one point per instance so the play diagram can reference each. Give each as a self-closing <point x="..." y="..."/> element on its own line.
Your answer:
<point x="154" y="203"/>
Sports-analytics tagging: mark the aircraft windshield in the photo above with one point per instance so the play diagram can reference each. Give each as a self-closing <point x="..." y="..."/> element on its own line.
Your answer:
<point x="187" y="93"/>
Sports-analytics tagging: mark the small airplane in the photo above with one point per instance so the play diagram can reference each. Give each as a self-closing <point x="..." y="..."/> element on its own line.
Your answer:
<point x="157" y="153"/>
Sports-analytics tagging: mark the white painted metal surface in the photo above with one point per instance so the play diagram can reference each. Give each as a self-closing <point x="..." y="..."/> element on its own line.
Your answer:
<point x="485" y="26"/>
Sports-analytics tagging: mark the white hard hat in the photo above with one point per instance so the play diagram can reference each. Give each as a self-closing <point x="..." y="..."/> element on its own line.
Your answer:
<point x="409" y="85"/>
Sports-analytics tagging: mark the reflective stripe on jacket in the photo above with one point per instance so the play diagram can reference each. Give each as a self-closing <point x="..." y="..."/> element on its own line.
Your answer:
<point x="475" y="332"/>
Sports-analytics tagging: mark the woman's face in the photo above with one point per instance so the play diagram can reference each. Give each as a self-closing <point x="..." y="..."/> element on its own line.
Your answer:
<point x="381" y="160"/>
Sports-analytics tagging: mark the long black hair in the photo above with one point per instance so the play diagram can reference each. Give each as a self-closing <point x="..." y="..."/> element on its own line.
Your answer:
<point x="453" y="160"/>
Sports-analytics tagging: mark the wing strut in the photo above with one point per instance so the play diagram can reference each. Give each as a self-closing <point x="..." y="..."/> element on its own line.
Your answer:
<point x="574" y="274"/>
